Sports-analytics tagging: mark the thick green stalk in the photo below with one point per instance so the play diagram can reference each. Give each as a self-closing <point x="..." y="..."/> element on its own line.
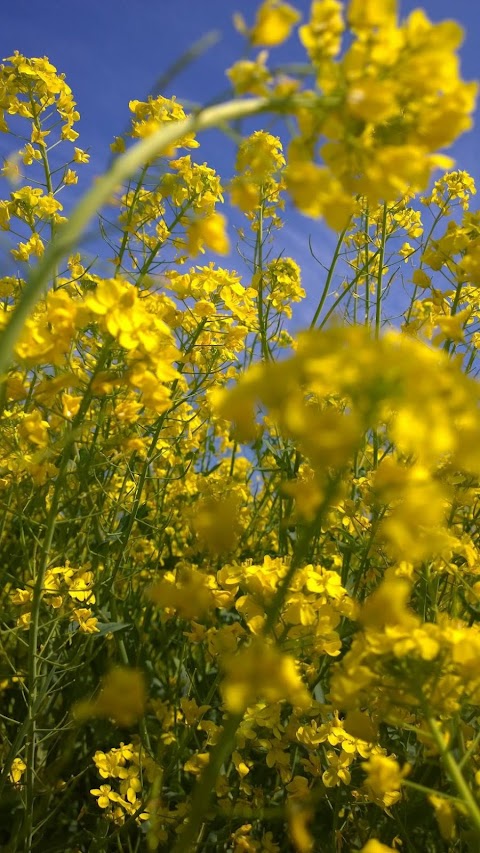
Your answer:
<point x="203" y="789"/>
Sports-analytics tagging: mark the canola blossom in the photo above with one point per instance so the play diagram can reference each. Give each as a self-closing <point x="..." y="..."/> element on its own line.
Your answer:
<point x="240" y="567"/>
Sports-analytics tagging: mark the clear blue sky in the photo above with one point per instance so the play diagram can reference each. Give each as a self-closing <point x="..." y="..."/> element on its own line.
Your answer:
<point x="113" y="51"/>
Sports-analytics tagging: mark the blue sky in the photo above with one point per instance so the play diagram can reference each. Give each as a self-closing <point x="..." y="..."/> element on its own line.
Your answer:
<point x="113" y="51"/>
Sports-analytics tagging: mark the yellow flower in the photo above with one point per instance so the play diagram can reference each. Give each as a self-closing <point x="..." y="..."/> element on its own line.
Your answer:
<point x="35" y="428"/>
<point x="322" y="36"/>
<point x="80" y="156"/>
<point x="80" y="586"/>
<point x="21" y="596"/>
<point x="122" y="698"/>
<point x="216" y="523"/>
<point x="191" y="711"/>
<point x="261" y="670"/>
<point x="104" y="795"/>
<point x="375" y="846"/>
<point x="273" y="23"/>
<point x="366" y="14"/>
<point x="210" y="232"/>
<point x="118" y="146"/>
<point x="250" y="77"/>
<point x="87" y="622"/>
<point x="197" y="763"/>
<point x="188" y="594"/>
<point x="299" y="817"/>
<point x="17" y="770"/>
<point x="298" y="788"/>
<point x="70" y="177"/>
<point x="337" y="771"/>
<point x="241" y="767"/>
<point x="70" y="404"/>
<point x="421" y="279"/>
<point x="445" y="814"/>
<point x="317" y="193"/>
<point x="149" y="115"/>
<point x="384" y="778"/>
<point x="30" y="154"/>
<point x="372" y="100"/>
<point x="387" y="606"/>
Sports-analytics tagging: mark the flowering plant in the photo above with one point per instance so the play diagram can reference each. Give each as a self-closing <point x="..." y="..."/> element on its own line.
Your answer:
<point x="240" y="568"/>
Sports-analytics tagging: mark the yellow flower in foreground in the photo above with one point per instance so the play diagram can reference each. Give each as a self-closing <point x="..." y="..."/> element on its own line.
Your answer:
<point x="374" y="846"/>
<point x="298" y="820"/>
<point x="421" y="279"/>
<point x="388" y="606"/>
<point x="210" y="232"/>
<point x="122" y="698"/>
<point x="384" y="778"/>
<point x="364" y="14"/>
<point x="322" y="36"/>
<point x="216" y="523"/>
<point x="273" y="23"/>
<point x="316" y="192"/>
<point x="262" y="671"/>
<point x="35" y="429"/>
<point x="445" y="815"/>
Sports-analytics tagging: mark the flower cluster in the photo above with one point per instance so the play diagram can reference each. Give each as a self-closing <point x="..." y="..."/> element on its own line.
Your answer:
<point x="125" y="765"/>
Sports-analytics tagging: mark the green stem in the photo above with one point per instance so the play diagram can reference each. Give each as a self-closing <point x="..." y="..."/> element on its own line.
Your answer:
<point x="329" y="276"/>
<point x="456" y="775"/>
<point x="367" y="269"/>
<point x="259" y="270"/>
<point x="381" y="257"/>
<point x="429" y="791"/>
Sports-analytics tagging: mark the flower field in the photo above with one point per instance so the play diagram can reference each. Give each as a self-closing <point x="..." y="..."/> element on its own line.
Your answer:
<point x="240" y="593"/>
